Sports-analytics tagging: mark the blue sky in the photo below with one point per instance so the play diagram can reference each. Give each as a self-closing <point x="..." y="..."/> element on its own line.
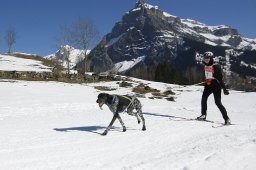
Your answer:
<point x="37" y="21"/>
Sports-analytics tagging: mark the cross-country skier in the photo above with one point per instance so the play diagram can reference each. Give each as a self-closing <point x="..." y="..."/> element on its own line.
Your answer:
<point x="213" y="84"/>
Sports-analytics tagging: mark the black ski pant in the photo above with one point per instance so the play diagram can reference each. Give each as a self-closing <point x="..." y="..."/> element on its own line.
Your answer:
<point x="217" y="97"/>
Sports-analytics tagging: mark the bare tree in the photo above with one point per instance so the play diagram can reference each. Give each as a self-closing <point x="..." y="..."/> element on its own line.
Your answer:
<point x="66" y="52"/>
<point x="10" y="38"/>
<point x="64" y="38"/>
<point x="82" y="34"/>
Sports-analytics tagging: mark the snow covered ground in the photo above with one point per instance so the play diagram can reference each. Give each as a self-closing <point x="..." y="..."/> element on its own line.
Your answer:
<point x="11" y="63"/>
<point x="50" y="125"/>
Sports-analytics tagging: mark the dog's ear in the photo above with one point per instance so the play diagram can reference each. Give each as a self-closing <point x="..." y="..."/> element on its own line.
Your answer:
<point x="109" y="98"/>
<point x="103" y="96"/>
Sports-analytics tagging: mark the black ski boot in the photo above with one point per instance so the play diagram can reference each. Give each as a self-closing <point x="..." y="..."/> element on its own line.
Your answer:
<point x="202" y="117"/>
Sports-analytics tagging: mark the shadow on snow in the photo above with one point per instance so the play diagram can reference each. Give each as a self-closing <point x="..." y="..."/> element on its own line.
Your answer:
<point x="92" y="129"/>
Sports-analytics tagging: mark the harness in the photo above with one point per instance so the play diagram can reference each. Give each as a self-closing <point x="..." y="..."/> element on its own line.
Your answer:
<point x="115" y="101"/>
<point x="126" y="97"/>
<point x="131" y="101"/>
<point x="113" y="105"/>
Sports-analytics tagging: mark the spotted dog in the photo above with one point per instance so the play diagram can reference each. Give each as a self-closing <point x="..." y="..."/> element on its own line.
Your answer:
<point x="118" y="104"/>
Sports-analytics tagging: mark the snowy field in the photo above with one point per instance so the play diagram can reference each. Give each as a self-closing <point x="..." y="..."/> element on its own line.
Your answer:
<point x="11" y="63"/>
<point x="50" y="125"/>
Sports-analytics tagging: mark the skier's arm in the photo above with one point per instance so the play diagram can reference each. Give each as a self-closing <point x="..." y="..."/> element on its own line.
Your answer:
<point x="219" y="78"/>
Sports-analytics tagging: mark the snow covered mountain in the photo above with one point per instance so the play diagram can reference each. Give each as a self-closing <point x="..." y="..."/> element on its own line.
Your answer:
<point x="75" y="55"/>
<point x="148" y="38"/>
<point x="217" y="35"/>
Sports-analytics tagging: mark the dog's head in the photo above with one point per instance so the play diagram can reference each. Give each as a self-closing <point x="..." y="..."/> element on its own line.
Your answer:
<point x="102" y="99"/>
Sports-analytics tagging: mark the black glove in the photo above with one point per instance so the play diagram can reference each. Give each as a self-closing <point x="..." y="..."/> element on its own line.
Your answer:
<point x="226" y="92"/>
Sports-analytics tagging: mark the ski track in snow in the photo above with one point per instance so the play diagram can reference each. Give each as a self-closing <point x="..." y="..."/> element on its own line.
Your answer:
<point x="49" y="125"/>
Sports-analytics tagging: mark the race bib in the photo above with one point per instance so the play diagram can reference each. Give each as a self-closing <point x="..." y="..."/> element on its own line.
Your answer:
<point x="209" y="72"/>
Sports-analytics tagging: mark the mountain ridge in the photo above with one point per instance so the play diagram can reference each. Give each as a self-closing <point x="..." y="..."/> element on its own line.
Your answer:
<point x="148" y="31"/>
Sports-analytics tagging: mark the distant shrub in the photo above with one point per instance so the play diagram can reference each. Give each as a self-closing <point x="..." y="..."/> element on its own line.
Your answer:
<point x="125" y="84"/>
<point x="142" y="89"/>
<point x="170" y="99"/>
<point x="104" y="88"/>
<point x="158" y="95"/>
<point x="45" y="61"/>
<point x="169" y="92"/>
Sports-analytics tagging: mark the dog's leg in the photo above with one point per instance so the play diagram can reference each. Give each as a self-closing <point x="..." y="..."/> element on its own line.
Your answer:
<point x="110" y="124"/>
<point x="130" y="112"/>
<point x="137" y="118"/>
<point x="138" y="107"/>
<point x="143" y="120"/>
<point x="122" y="123"/>
<point x="139" y="112"/>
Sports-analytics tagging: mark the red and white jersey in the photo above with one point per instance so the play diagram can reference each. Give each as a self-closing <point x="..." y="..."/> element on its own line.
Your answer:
<point x="208" y="70"/>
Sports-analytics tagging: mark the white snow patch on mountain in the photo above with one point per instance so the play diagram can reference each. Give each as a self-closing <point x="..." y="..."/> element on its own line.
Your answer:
<point x="127" y="65"/>
<point x="247" y="42"/>
<point x="168" y="15"/>
<point x="213" y="28"/>
<point x="225" y="45"/>
<point x="210" y="42"/>
<point x="114" y="40"/>
<point x="192" y="23"/>
<point x="214" y="37"/>
<point x="150" y="6"/>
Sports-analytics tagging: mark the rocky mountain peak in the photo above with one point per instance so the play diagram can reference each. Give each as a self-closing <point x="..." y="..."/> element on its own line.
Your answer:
<point x="153" y="41"/>
<point x="140" y="3"/>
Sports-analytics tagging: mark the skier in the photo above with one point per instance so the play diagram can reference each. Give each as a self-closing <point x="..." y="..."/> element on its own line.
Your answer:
<point x="213" y="84"/>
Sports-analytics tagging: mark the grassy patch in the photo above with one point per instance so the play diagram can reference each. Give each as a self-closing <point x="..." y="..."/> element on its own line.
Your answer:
<point x="169" y="92"/>
<point x="142" y="89"/>
<point x="159" y="95"/>
<point x="170" y="99"/>
<point x="45" y="61"/>
<point x="104" y="88"/>
<point x="125" y="84"/>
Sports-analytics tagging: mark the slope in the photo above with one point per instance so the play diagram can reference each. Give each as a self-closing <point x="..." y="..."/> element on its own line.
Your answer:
<point x="12" y="63"/>
<point x="49" y="125"/>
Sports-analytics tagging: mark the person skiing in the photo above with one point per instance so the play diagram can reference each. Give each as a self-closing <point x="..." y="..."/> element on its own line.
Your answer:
<point x="213" y="84"/>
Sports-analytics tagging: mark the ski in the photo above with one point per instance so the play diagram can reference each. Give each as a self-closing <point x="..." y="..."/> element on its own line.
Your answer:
<point x="190" y="119"/>
<point x="217" y="124"/>
<point x="210" y="121"/>
<point x="222" y="125"/>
